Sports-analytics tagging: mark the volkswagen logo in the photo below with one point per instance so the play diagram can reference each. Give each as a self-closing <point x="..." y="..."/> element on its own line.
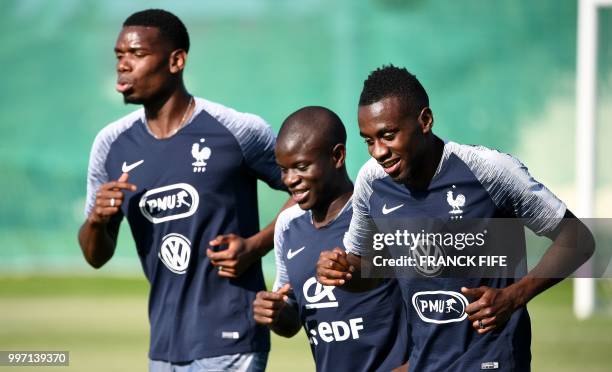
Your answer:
<point x="174" y="252"/>
<point x="426" y="250"/>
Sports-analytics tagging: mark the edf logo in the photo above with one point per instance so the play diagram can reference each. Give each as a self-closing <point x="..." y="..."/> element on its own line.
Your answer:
<point x="336" y="331"/>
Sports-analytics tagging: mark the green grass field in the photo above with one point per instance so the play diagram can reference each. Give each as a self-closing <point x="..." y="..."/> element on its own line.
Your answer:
<point x="103" y="323"/>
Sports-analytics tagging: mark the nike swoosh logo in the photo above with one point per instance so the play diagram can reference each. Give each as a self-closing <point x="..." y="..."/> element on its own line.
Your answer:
<point x="126" y="168"/>
<point x="291" y="254"/>
<point x="386" y="210"/>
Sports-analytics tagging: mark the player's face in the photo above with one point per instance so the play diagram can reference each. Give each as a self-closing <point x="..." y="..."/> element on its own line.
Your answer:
<point x="308" y="172"/>
<point x="143" y="71"/>
<point x="394" y="137"/>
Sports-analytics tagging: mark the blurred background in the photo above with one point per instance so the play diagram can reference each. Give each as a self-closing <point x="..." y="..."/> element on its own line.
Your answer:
<point x="499" y="73"/>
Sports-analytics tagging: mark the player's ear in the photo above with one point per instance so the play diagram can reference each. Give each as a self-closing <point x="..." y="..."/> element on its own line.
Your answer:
<point x="339" y="155"/>
<point x="426" y="120"/>
<point x="177" y="61"/>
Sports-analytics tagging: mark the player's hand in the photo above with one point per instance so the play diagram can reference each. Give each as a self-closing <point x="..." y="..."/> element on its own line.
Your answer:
<point x="490" y="307"/>
<point x="268" y="305"/>
<point x="109" y="199"/>
<point x="333" y="268"/>
<point x="233" y="261"/>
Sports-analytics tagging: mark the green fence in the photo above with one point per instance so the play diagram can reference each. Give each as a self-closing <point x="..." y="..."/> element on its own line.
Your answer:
<point x="499" y="73"/>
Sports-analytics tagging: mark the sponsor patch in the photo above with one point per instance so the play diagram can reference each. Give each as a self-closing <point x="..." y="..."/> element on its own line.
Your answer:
<point x="233" y="335"/>
<point x="319" y="295"/>
<point x="489" y="365"/>
<point x="440" y="307"/>
<point x="175" y="252"/>
<point x="169" y="203"/>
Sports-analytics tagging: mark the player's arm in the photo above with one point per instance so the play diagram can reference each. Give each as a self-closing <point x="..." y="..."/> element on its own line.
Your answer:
<point x="278" y="309"/>
<point x="344" y="268"/>
<point x="241" y="253"/>
<point x="257" y="142"/>
<point x="515" y="190"/>
<point x="341" y="269"/>
<point x="98" y="234"/>
<point x="572" y="245"/>
<point x="262" y="242"/>
<point x="273" y="310"/>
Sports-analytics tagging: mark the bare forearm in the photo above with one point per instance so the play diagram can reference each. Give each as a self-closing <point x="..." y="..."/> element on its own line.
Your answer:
<point x="528" y="287"/>
<point x="288" y="322"/>
<point x="97" y="244"/>
<point x="263" y="241"/>
<point x="572" y="246"/>
<point x="358" y="283"/>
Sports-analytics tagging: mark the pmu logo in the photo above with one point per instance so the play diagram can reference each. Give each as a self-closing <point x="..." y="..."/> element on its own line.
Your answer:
<point x="319" y="295"/>
<point x="169" y="202"/>
<point x="174" y="252"/>
<point x="440" y="307"/>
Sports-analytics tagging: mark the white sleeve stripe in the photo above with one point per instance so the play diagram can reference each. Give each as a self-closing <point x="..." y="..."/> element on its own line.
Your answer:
<point x="282" y="224"/>
<point x="96" y="172"/>
<point x="358" y="240"/>
<point x="254" y="136"/>
<point x="510" y="186"/>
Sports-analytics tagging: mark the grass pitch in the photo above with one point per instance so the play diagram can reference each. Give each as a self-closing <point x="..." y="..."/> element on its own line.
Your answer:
<point x="103" y="323"/>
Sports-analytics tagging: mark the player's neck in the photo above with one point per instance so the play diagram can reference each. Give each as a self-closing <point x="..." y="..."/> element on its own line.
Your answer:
<point x="339" y="196"/>
<point x="168" y="114"/>
<point x="430" y="159"/>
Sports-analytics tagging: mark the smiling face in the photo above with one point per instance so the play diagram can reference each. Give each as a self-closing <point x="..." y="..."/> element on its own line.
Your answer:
<point x="395" y="136"/>
<point x="309" y="170"/>
<point x="145" y="68"/>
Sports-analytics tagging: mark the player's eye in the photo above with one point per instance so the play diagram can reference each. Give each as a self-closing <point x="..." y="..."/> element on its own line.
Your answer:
<point x="388" y="136"/>
<point x="302" y="167"/>
<point x="368" y="141"/>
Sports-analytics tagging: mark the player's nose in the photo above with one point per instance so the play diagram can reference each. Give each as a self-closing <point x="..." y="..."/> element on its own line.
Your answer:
<point x="379" y="151"/>
<point x="291" y="178"/>
<point x="123" y="65"/>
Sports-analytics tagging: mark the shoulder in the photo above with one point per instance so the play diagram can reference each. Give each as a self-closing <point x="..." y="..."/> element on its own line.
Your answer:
<point x="253" y="134"/>
<point x="287" y="216"/>
<point x="369" y="172"/>
<point x="112" y="131"/>
<point x="109" y="134"/>
<point x="232" y="118"/>
<point x="486" y="163"/>
<point x="481" y="155"/>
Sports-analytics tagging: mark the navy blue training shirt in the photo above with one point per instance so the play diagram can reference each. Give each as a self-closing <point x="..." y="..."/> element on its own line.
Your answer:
<point x="347" y="331"/>
<point x="470" y="182"/>
<point x="192" y="186"/>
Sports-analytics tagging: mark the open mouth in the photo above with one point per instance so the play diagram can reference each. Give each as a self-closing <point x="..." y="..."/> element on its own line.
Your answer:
<point x="123" y="86"/>
<point x="391" y="166"/>
<point x="299" y="196"/>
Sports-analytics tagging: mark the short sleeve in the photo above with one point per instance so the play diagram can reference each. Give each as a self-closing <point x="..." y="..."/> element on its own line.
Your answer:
<point x="358" y="239"/>
<point x="96" y="171"/>
<point x="255" y="138"/>
<point x="283" y="223"/>
<point x="513" y="189"/>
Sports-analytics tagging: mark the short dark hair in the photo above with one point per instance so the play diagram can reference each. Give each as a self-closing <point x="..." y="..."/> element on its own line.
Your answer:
<point x="169" y="25"/>
<point x="391" y="81"/>
<point x="316" y="122"/>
